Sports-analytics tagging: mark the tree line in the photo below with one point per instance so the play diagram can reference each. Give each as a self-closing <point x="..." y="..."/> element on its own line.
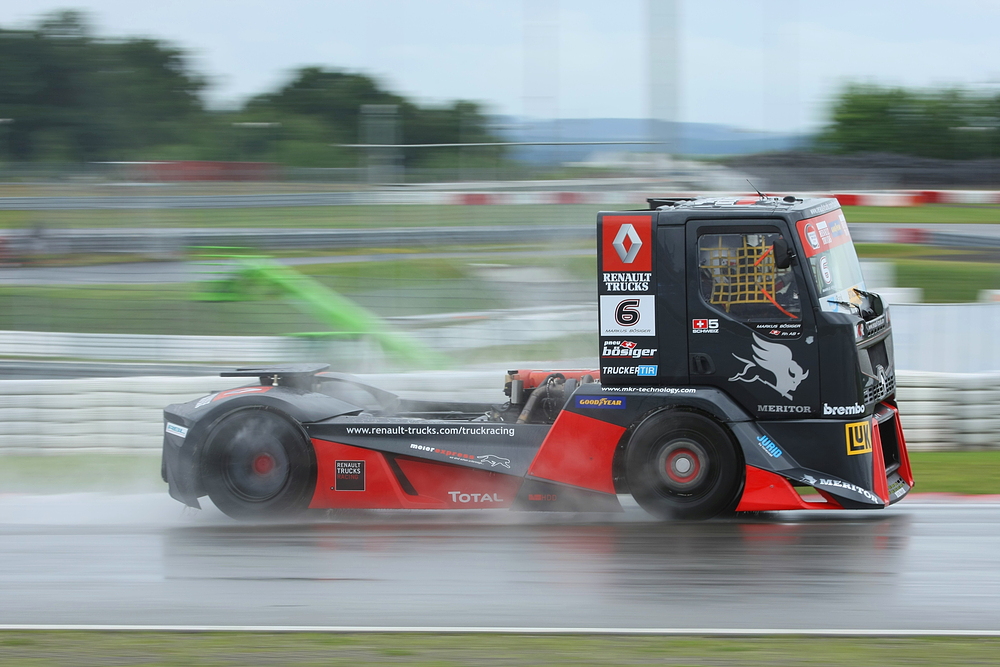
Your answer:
<point x="944" y="124"/>
<point x="68" y="96"/>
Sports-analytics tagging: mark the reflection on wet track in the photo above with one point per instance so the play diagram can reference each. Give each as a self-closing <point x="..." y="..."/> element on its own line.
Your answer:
<point x="140" y="560"/>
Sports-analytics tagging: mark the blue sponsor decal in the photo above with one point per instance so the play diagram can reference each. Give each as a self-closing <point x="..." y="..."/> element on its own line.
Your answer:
<point x="645" y="370"/>
<point x="613" y="402"/>
<point x="175" y="429"/>
<point x="768" y="446"/>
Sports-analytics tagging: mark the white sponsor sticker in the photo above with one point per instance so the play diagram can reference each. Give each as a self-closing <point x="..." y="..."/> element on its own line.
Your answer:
<point x="628" y="315"/>
<point x="179" y="431"/>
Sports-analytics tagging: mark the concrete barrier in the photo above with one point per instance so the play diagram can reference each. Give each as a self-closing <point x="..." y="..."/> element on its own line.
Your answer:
<point x="940" y="411"/>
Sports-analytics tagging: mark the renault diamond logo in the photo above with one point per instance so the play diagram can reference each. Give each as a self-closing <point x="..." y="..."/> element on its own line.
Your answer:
<point x="627" y="231"/>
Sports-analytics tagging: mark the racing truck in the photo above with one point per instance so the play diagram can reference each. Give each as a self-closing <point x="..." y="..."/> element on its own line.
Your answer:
<point x="744" y="367"/>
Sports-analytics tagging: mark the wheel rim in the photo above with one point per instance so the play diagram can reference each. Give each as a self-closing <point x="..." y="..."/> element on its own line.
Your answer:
<point x="256" y="465"/>
<point x="682" y="465"/>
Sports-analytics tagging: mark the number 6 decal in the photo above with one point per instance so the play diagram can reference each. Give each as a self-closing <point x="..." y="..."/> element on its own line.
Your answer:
<point x="627" y="312"/>
<point x="622" y="315"/>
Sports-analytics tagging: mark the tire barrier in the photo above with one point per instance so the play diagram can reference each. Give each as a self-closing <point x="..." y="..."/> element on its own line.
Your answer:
<point x="940" y="411"/>
<point x="126" y="414"/>
<point x="949" y="411"/>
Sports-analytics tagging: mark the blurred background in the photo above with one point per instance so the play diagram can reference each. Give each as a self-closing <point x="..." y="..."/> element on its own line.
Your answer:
<point x="411" y="188"/>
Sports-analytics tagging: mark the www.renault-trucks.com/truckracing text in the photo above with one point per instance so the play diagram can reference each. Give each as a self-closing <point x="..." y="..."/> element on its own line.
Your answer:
<point x="743" y="367"/>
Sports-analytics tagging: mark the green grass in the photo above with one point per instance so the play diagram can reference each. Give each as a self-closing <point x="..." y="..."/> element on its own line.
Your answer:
<point x="416" y="215"/>
<point x="942" y="280"/>
<point x="145" y="309"/>
<point x="420" y="215"/>
<point x="404" y="287"/>
<point x="137" y="472"/>
<point x="389" y="288"/>
<point x="43" y="649"/>
<point x="904" y="251"/>
<point x="407" y="286"/>
<point x="956" y="472"/>
<point x="932" y="213"/>
<point x="947" y="282"/>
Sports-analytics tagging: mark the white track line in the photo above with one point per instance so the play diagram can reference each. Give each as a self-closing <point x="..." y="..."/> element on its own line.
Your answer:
<point x="821" y="632"/>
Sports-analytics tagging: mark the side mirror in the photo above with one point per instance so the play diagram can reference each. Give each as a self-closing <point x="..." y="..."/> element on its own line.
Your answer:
<point x="783" y="254"/>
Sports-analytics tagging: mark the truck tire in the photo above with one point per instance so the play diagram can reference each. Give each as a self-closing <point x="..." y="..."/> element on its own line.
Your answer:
<point x="682" y="465"/>
<point x="258" y="463"/>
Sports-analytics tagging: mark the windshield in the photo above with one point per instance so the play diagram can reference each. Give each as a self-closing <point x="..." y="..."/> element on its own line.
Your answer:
<point x="833" y="264"/>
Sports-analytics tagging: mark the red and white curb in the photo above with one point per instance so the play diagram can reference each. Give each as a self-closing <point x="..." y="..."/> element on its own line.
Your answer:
<point x="881" y="199"/>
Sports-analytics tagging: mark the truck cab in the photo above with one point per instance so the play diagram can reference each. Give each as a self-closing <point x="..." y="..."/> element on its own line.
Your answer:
<point x="763" y="299"/>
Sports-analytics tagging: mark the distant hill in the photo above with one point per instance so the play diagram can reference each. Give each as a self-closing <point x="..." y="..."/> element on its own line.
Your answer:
<point x="692" y="138"/>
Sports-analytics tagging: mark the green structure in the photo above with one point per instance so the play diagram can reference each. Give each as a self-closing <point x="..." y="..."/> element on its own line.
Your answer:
<point x="345" y="318"/>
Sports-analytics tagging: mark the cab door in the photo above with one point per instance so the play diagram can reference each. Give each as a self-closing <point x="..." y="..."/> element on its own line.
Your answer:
<point x="752" y="330"/>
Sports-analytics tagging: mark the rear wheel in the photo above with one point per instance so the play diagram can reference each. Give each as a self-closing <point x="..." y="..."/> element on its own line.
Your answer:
<point x="682" y="465"/>
<point x="258" y="463"/>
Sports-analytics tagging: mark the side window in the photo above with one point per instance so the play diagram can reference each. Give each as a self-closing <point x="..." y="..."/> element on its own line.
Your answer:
<point x="738" y="277"/>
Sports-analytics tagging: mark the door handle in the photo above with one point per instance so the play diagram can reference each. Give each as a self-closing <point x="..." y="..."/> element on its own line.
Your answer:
<point x="701" y="364"/>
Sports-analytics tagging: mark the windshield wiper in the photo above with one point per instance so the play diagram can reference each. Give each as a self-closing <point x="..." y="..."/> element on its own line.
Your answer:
<point x="868" y="312"/>
<point x="847" y="304"/>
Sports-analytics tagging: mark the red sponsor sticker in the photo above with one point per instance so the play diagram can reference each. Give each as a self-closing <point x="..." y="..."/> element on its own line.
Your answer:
<point x="628" y="344"/>
<point x="238" y="392"/>
<point x="823" y="232"/>
<point x="627" y="243"/>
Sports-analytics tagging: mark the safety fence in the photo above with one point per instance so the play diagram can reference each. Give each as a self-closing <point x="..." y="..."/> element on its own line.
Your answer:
<point x="126" y="414"/>
<point x="165" y="241"/>
<point x="940" y="411"/>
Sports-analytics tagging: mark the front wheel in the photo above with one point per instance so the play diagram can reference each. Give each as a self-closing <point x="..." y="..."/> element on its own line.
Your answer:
<point x="258" y="464"/>
<point x="682" y="465"/>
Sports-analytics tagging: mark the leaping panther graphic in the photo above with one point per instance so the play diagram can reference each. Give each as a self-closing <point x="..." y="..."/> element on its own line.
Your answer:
<point x="776" y="359"/>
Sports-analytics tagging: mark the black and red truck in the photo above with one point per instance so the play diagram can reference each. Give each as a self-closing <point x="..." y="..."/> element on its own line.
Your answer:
<point x="743" y="367"/>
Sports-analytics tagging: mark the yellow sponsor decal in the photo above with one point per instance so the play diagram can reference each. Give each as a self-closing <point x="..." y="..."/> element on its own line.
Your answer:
<point x="859" y="438"/>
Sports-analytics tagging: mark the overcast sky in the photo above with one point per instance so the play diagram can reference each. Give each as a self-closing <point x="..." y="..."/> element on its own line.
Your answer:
<point x="753" y="64"/>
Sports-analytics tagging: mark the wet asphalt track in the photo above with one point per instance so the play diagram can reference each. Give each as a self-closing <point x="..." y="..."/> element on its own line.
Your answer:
<point x="93" y="559"/>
